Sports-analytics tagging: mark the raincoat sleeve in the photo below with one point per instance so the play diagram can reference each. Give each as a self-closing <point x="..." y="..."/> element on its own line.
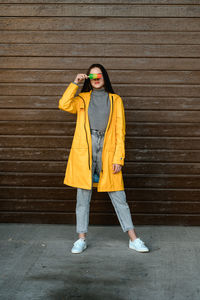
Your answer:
<point x="68" y="101"/>
<point x="120" y="134"/>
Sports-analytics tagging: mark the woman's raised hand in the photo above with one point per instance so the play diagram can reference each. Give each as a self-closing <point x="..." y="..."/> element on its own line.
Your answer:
<point x="80" y="77"/>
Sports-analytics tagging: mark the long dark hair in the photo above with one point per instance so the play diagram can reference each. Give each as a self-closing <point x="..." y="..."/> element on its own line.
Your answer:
<point x="107" y="84"/>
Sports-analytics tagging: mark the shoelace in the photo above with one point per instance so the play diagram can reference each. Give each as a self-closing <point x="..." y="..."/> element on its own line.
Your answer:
<point x="79" y="241"/>
<point x="140" y="242"/>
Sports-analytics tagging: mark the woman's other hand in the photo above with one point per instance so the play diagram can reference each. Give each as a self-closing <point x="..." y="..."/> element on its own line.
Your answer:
<point x="80" y="77"/>
<point x="116" y="168"/>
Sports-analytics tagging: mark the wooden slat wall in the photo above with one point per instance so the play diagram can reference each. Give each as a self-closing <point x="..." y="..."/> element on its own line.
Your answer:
<point x="151" y="50"/>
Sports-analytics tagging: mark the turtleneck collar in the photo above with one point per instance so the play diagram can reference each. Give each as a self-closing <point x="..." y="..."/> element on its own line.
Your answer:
<point x="97" y="91"/>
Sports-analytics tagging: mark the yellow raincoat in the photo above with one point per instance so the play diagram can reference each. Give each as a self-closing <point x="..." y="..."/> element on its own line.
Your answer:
<point x="79" y="167"/>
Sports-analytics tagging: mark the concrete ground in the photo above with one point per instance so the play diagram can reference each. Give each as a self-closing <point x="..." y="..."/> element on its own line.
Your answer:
<point x="36" y="263"/>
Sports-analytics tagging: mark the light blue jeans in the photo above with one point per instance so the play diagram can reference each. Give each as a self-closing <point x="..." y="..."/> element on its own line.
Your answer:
<point x="83" y="198"/>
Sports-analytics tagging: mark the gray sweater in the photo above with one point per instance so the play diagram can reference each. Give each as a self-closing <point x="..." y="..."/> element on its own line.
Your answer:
<point x="99" y="109"/>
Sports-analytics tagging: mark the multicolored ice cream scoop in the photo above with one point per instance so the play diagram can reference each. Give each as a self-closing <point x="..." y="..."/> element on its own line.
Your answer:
<point x="95" y="76"/>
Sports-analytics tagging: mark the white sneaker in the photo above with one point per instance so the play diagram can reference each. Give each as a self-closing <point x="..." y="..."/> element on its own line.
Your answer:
<point x="79" y="246"/>
<point x="138" y="245"/>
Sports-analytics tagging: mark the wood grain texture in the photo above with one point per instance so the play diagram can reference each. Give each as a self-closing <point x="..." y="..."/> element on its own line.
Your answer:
<point x="63" y="24"/>
<point x="151" y="50"/>
<point x="123" y="77"/>
<point x="98" y="37"/>
<point x="108" y="50"/>
<point x="100" y="10"/>
<point x="160" y="2"/>
<point x="117" y="63"/>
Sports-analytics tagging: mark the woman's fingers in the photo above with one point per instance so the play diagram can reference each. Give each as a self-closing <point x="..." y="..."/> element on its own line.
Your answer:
<point x="116" y="168"/>
<point x="80" y="77"/>
<point x="83" y="76"/>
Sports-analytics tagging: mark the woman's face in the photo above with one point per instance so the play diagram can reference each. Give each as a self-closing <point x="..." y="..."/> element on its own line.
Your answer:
<point x="98" y="82"/>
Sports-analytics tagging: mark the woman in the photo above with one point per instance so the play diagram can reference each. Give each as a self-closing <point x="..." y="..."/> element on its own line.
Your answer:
<point x="98" y="151"/>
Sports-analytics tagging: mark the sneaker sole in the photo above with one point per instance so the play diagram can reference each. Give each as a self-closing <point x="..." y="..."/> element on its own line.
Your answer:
<point x="75" y="252"/>
<point x="142" y="251"/>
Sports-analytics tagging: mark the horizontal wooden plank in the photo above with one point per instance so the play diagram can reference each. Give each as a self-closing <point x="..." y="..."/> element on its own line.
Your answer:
<point x="116" y="77"/>
<point x="97" y="37"/>
<point x="162" y="116"/>
<point x="35" y="141"/>
<point x="158" y="2"/>
<point x="173" y="143"/>
<point x="138" y="155"/>
<point x="36" y="115"/>
<point x="68" y="193"/>
<point x="35" y="166"/>
<point x="133" y="90"/>
<point x="141" y="103"/>
<point x="33" y="128"/>
<point x="151" y="103"/>
<point x="116" y="63"/>
<point x="108" y="48"/>
<point x="161" y="129"/>
<point x="100" y="10"/>
<point x="100" y="219"/>
<point x="136" y="115"/>
<point x="132" y="129"/>
<point x="128" y="168"/>
<point x="109" y="23"/>
<point x="154" y="207"/>
<point x="162" y="181"/>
